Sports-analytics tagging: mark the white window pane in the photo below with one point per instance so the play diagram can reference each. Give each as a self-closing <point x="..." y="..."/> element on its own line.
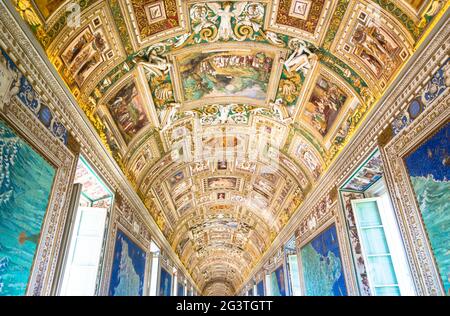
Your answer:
<point x="82" y="280"/>
<point x="92" y="221"/>
<point x="382" y="270"/>
<point x="388" y="291"/>
<point x="374" y="241"/>
<point x="87" y="251"/>
<point x="367" y="213"/>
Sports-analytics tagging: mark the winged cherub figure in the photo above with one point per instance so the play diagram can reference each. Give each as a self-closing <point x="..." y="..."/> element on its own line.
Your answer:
<point x="225" y="14"/>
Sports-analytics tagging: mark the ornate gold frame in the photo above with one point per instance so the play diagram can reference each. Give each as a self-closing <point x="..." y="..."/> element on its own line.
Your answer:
<point x="30" y="129"/>
<point x="418" y="249"/>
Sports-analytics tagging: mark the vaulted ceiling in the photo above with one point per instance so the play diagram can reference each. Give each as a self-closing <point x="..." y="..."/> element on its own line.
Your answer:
<point x="224" y="115"/>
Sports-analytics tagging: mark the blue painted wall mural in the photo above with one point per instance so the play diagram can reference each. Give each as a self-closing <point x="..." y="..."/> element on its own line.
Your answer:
<point x="278" y="284"/>
<point x="429" y="170"/>
<point x="260" y="288"/>
<point x="180" y="289"/>
<point x="165" y="283"/>
<point x="128" y="269"/>
<point x="25" y="185"/>
<point x="322" y="265"/>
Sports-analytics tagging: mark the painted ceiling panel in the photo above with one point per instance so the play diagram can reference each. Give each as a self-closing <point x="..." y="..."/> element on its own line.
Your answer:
<point x="224" y="115"/>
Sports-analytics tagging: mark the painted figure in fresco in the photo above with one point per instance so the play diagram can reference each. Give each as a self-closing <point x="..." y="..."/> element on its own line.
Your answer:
<point x="278" y="111"/>
<point x="301" y="58"/>
<point x="327" y="99"/>
<point x="373" y="47"/>
<point x="127" y="111"/>
<point x="84" y="55"/>
<point x="224" y="111"/>
<point x="26" y="11"/>
<point x="225" y="30"/>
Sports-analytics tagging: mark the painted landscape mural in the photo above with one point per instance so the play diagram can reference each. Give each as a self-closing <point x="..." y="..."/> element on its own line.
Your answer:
<point x="429" y="170"/>
<point x="165" y="283"/>
<point x="278" y="284"/>
<point x="128" y="270"/>
<point x="260" y="288"/>
<point x="222" y="74"/>
<point x="25" y="185"/>
<point x="322" y="265"/>
<point x="128" y="111"/>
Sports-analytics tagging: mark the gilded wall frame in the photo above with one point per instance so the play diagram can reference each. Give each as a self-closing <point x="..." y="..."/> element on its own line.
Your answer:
<point x="418" y="249"/>
<point x="32" y="131"/>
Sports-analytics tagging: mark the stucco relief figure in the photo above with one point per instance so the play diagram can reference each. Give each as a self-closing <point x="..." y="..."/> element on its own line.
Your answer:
<point x="301" y="58"/>
<point x="273" y="37"/>
<point x="278" y="111"/>
<point x="199" y="14"/>
<point x="173" y="111"/>
<point x="224" y="111"/>
<point x="9" y="81"/>
<point x="254" y="12"/>
<point x="225" y="30"/>
<point x="154" y="64"/>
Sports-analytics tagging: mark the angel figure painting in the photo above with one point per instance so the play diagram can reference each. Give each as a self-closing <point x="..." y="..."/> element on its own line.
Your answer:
<point x="324" y="105"/>
<point x="224" y="74"/>
<point x="128" y="111"/>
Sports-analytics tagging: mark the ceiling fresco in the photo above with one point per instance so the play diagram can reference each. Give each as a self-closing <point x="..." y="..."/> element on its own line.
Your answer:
<point x="224" y="115"/>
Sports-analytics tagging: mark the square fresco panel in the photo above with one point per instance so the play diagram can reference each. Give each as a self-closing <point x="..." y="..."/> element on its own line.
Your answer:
<point x="128" y="111"/>
<point x="26" y="181"/>
<point x="370" y="173"/>
<point x="322" y="265"/>
<point x="325" y="102"/>
<point x="222" y="183"/>
<point x="429" y="170"/>
<point x="128" y="270"/>
<point x="165" y="283"/>
<point x="277" y="282"/>
<point x="415" y="4"/>
<point x="225" y="74"/>
<point x="85" y="53"/>
<point x="47" y="7"/>
<point x="376" y="48"/>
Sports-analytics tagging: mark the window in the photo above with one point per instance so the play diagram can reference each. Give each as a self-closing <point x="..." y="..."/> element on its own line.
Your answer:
<point x="154" y="251"/>
<point x="175" y="282"/>
<point x="294" y="276"/>
<point x="267" y="283"/>
<point x="387" y="268"/>
<point x="86" y="233"/>
<point x="292" y="267"/>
